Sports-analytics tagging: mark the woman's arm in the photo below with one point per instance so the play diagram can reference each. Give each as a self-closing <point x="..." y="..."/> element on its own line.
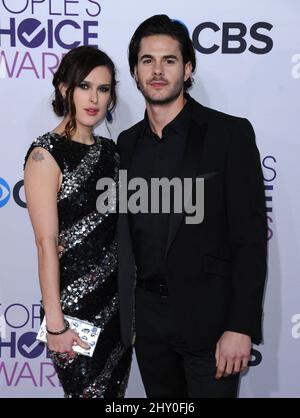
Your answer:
<point x="42" y="181"/>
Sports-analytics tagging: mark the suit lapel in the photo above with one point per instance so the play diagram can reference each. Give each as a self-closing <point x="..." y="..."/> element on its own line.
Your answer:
<point x="189" y="169"/>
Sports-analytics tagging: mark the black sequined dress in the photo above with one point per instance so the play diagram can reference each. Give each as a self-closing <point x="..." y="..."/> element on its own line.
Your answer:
<point x="88" y="266"/>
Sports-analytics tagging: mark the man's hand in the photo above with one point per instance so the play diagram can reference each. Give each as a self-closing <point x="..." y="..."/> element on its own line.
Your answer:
<point x="232" y="353"/>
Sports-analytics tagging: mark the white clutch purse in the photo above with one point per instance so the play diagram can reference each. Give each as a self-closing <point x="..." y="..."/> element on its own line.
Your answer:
<point x="86" y="331"/>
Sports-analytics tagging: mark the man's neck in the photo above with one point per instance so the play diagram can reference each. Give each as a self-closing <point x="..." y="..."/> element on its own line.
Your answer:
<point x="161" y="115"/>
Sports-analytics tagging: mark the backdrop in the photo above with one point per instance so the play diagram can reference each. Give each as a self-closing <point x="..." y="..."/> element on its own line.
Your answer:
<point x="248" y="65"/>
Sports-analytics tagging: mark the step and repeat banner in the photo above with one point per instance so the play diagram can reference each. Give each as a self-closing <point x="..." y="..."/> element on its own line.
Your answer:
<point x="248" y="64"/>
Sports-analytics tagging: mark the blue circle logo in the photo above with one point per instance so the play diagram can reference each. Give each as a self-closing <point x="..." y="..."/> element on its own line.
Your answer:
<point x="4" y="192"/>
<point x="30" y="33"/>
<point x="29" y="347"/>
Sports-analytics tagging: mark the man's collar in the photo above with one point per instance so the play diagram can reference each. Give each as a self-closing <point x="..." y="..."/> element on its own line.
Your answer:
<point x="178" y="124"/>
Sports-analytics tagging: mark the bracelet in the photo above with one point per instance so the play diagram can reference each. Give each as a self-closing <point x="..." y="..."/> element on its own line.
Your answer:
<point x="67" y="326"/>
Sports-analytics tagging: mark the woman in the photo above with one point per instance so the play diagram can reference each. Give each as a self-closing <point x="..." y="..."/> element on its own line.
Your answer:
<point x="62" y="168"/>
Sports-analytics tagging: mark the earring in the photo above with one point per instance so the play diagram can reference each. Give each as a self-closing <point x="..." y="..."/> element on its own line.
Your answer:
<point x="109" y="117"/>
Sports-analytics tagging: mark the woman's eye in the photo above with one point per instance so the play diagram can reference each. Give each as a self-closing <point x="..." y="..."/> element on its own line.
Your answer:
<point x="104" y="89"/>
<point x="83" y="86"/>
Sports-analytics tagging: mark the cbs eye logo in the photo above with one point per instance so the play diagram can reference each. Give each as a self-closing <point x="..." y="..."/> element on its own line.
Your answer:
<point x="5" y="193"/>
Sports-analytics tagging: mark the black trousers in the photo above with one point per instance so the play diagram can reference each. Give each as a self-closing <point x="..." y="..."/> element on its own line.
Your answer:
<point x="169" y="369"/>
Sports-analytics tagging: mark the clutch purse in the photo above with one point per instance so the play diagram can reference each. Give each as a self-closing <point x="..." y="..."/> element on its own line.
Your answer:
<point x="86" y="331"/>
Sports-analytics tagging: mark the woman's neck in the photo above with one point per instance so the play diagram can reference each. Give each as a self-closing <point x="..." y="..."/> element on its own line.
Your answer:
<point x="82" y="134"/>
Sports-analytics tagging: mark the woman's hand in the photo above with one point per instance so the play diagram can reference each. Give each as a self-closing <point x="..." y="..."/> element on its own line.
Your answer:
<point x="64" y="343"/>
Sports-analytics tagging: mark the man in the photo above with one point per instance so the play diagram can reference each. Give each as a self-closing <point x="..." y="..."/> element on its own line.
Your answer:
<point x="195" y="290"/>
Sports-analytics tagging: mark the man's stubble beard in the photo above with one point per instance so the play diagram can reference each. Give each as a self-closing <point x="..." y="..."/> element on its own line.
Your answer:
<point x="174" y="94"/>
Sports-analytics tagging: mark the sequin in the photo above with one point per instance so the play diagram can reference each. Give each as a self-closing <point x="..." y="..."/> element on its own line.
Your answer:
<point x="76" y="234"/>
<point x="98" y="387"/>
<point x="73" y="180"/>
<point x="88" y="266"/>
<point x="104" y="317"/>
<point x="71" y="295"/>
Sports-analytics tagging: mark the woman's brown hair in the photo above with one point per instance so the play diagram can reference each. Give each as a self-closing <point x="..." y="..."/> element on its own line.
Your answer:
<point x="74" y="67"/>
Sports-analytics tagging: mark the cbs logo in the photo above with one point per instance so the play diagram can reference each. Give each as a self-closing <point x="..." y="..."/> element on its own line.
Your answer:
<point x="5" y="193"/>
<point x="231" y="38"/>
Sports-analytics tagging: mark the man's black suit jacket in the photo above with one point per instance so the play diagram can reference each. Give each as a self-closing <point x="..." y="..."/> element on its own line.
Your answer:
<point x="216" y="270"/>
